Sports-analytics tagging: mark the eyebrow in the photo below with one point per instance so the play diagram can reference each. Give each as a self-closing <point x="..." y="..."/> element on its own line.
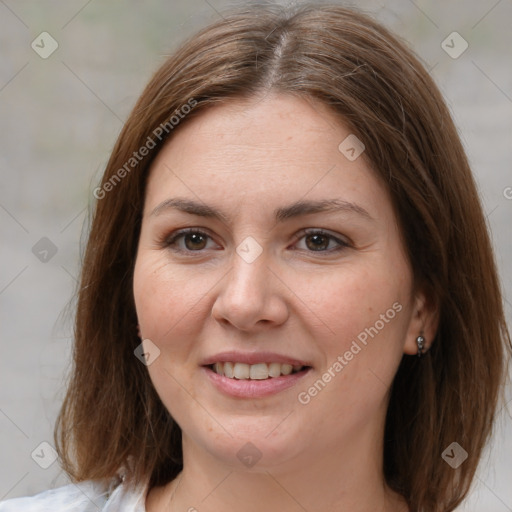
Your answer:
<point x="301" y="207"/>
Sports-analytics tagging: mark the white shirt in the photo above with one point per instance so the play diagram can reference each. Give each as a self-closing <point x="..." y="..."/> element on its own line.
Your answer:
<point x="88" y="496"/>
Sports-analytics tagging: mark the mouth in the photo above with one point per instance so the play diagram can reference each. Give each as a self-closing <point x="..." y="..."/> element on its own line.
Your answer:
<point x="258" y="371"/>
<point x="254" y="381"/>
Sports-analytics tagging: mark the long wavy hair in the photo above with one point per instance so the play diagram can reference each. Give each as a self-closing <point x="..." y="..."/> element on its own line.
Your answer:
<point x="378" y="87"/>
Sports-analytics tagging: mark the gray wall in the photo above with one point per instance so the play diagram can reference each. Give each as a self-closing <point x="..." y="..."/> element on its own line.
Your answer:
<point x="59" y="118"/>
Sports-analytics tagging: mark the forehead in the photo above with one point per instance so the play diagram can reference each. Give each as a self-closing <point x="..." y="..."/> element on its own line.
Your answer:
<point x="261" y="150"/>
<point x="274" y="124"/>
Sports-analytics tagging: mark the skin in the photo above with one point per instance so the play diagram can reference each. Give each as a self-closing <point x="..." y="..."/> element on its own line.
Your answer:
<point x="248" y="158"/>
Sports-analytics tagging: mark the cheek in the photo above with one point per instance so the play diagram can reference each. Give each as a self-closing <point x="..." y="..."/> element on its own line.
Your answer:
<point x="164" y="297"/>
<point x="366" y="311"/>
<point x="353" y="299"/>
<point x="167" y="305"/>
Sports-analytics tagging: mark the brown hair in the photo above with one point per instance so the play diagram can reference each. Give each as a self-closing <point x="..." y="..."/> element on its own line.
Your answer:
<point x="370" y="78"/>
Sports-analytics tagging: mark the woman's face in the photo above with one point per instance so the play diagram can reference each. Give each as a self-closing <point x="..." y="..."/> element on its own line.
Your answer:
<point x="260" y="279"/>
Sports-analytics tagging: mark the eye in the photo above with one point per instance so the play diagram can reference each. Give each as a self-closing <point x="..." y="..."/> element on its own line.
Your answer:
<point x="317" y="240"/>
<point x="193" y="239"/>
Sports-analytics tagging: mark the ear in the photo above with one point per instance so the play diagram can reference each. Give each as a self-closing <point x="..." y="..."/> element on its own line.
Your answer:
<point x="424" y="321"/>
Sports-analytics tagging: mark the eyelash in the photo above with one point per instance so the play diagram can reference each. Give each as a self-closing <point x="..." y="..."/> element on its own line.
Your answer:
<point x="170" y="241"/>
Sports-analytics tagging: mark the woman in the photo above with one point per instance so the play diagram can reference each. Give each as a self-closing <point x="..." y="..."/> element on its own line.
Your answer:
<point x="289" y="299"/>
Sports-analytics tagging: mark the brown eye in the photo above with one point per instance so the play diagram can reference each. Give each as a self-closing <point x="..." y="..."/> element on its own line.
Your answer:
<point x="193" y="241"/>
<point x="320" y="241"/>
<point x="317" y="242"/>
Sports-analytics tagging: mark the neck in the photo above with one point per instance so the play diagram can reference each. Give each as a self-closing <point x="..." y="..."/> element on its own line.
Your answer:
<point x="346" y="479"/>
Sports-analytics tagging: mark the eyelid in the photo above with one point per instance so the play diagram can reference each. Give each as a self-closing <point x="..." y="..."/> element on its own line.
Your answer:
<point x="341" y="239"/>
<point x="168" y="240"/>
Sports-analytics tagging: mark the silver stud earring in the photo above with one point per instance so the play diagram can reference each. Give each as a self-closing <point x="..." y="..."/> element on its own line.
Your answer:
<point x="420" y="341"/>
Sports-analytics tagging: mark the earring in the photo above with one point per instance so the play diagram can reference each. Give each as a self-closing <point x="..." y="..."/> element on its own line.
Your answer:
<point x="420" y="341"/>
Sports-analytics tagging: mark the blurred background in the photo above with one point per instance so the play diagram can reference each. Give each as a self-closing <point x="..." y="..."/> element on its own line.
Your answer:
<point x="70" y="72"/>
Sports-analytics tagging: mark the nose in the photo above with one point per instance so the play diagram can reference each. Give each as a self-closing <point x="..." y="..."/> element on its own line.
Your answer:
<point x="250" y="296"/>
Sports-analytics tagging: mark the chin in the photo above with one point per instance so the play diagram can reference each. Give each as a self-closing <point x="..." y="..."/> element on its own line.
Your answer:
<point x="254" y="445"/>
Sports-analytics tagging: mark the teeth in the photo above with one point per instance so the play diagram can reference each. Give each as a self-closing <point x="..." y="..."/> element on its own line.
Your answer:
<point x="218" y="368"/>
<point x="274" y="369"/>
<point x="228" y="369"/>
<point x="260" y="371"/>
<point x="241" y="371"/>
<point x="286" y="369"/>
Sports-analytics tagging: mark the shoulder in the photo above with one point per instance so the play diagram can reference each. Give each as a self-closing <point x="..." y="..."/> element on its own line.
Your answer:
<point x="81" y="497"/>
<point x="89" y="496"/>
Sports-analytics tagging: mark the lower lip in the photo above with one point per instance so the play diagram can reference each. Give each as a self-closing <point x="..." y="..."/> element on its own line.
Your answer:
<point x="246" y="388"/>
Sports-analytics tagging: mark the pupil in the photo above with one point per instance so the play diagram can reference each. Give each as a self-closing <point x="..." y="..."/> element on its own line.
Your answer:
<point x="318" y="238"/>
<point x="195" y="237"/>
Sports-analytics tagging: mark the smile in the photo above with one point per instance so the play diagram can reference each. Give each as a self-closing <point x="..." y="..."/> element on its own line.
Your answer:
<point x="245" y="386"/>
<point x="259" y="371"/>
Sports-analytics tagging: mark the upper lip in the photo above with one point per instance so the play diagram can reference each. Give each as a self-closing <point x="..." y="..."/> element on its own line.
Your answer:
<point x="234" y="356"/>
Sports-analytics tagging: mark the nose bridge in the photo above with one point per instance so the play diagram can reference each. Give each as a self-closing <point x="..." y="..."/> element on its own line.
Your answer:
<point x="249" y="294"/>
<point x="249" y="264"/>
<point x="246" y="283"/>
